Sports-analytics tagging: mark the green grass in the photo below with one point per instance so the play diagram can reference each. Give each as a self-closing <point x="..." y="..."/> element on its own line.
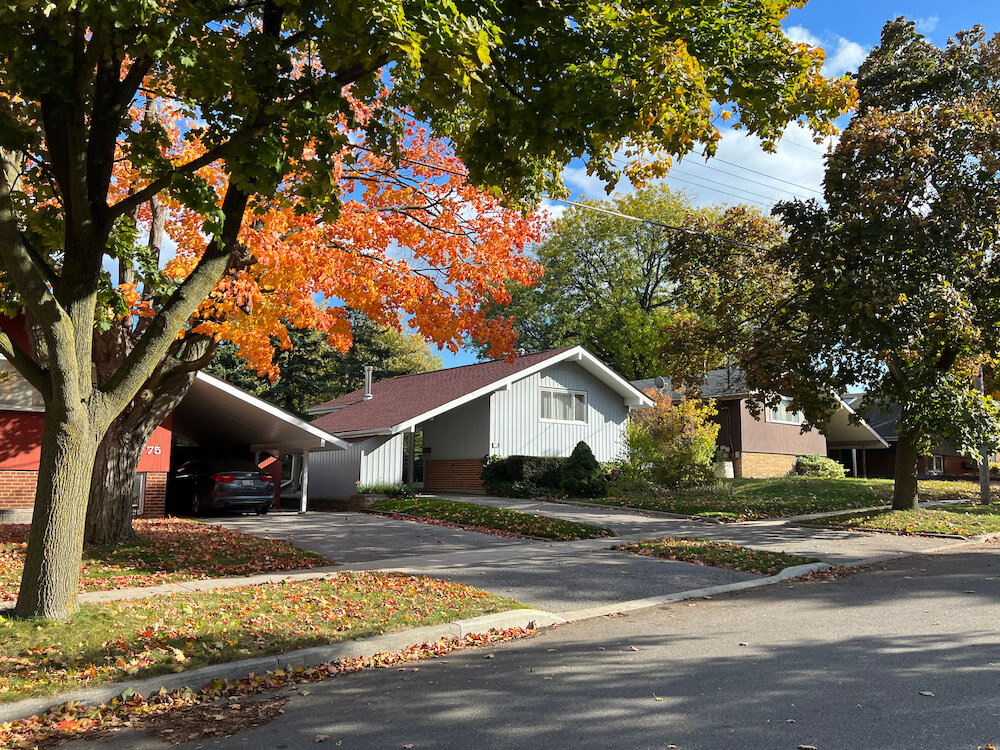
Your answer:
<point x="753" y="499"/>
<point x="717" y="554"/>
<point x="165" y="550"/>
<point x="123" y="640"/>
<point x="960" y="520"/>
<point x="489" y="519"/>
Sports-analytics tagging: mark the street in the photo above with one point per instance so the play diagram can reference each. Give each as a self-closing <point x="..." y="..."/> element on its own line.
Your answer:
<point x="902" y="655"/>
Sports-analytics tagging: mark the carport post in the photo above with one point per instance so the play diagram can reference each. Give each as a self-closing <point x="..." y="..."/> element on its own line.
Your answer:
<point x="304" y="481"/>
<point x="413" y="452"/>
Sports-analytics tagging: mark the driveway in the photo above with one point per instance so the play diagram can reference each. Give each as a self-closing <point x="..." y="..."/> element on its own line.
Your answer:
<point x="560" y="577"/>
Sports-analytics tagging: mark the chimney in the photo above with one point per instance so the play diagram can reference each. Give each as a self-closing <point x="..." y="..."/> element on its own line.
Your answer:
<point x="368" y="383"/>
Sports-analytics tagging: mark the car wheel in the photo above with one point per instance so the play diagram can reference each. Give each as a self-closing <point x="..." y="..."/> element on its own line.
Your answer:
<point x="195" y="505"/>
<point x="262" y="510"/>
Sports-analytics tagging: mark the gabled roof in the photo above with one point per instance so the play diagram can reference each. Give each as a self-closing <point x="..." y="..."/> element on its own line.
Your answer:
<point x="725" y="383"/>
<point x="403" y="402"/>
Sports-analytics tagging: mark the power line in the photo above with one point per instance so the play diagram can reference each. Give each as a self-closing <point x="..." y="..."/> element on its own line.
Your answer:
<point x="754" y="171"/>
<point x="768" y="198"/>
<point x="589" y="207"/>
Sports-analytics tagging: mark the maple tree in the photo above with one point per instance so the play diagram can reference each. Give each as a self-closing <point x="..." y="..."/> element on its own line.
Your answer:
<point x="897" y="278"/>
<point x="518" y="90"/>
<point x="646" y="298"/>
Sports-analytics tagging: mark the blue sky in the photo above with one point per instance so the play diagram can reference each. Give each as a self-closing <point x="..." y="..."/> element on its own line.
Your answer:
<point x="847" y="30"/>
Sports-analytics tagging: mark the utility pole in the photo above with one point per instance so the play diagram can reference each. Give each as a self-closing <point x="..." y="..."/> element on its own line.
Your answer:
<point x="984" y="454"/>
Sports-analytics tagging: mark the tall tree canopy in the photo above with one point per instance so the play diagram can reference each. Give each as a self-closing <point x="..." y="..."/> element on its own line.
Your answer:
<point x="312" y="371"/>
<point x="674" y="294"/>
<point x="897" y="278"/>
<point x="273" y="92"/>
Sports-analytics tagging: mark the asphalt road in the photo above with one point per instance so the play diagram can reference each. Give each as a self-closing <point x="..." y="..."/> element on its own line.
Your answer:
<point x="904" y="655"/>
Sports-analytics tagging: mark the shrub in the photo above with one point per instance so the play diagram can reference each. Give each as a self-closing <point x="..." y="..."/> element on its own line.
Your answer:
<point x="522" y="476"/>
<point x="819" y="466"/>
<point x="399" y="489"/>
<point x="582" y="476"/>
<point x="671" y="445"/>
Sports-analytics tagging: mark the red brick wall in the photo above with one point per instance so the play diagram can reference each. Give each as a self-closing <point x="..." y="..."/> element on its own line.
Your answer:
<point x="156" y="494"/>
<point x="17" y="489"/>
<point x="461" y="475"/>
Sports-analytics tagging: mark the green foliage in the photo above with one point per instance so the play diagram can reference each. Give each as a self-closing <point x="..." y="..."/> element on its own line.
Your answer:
<point x="522" y="476"/>
<point x="897" y="276"/>
<point x="815" y="465"/>
<point x="670" y="444"/>
<point x="582" y="475"/>
<point x="392" y="489"/>
<point x="622" y="289"/>
<point x="313" y="372"/>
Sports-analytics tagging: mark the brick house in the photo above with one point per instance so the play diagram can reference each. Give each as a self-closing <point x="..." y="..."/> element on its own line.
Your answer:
<point x="539" y="404"/>
<point x="768" y="444"/>
<point x="214" y="419"/>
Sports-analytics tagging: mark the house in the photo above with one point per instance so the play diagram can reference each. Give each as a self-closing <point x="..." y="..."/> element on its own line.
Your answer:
<point x="445" y="422"/>
<point x="944" y="461"/>
<point x="767" y="444"/>
<point x="214" y="419"/>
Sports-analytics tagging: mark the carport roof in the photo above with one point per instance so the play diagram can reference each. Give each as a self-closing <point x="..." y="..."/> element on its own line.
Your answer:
<point x="214" y="412"/>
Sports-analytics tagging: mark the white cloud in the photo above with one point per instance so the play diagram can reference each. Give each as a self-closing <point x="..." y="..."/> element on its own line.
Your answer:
<point x="926" y="25"/>
<point x="842" y="55"/>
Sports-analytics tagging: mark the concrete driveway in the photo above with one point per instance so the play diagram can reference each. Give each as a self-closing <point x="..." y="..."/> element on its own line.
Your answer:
<point x="561" y="577"/>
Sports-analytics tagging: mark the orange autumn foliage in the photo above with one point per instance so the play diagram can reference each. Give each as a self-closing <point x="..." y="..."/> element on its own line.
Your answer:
<point x="414" y="245"/>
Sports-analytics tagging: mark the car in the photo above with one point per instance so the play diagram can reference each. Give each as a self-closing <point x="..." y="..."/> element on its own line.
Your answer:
<point x="207" y="486"/>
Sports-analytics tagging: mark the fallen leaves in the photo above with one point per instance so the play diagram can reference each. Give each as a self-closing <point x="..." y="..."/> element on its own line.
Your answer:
<point x="110" y="641"/>
<point x="165" y="550"/>
<point x="716" y="554"/>
<point x="73" y="719"/>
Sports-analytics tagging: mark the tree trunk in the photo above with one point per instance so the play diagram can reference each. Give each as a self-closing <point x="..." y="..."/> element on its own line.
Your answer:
<point x="904" y="494"/>
<point x="109" y="513"/>
<point x="51" y="574"/>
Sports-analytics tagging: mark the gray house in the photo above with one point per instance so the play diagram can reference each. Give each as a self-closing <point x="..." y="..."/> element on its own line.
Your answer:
<point x="435" y="428"/>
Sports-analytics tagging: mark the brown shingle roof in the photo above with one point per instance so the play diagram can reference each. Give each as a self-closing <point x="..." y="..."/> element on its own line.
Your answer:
<point x="398" y="400"/>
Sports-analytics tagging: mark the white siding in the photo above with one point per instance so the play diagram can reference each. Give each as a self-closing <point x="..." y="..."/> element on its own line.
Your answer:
<point x="460" y="433"/>
<point x="382" y="460"/>
<point x="516" y="426"/>
<point x="334" y="475"/>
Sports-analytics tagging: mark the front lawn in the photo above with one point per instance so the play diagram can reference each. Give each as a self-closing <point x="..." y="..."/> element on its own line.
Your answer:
<point x="754" y="499"/>
<point x="487" y="519"/>
<point x="165" y="550"/>
<point x="716" y="554"/>
<point x="121" y="640"/>
<point x="960" y="520"/>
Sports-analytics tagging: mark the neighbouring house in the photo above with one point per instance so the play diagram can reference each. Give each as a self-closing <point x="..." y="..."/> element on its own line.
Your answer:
<point x="768" y="444"/>
<point x="944" y="461"/>
<point x="215" y="419"/>
<point x="434" y="429"/>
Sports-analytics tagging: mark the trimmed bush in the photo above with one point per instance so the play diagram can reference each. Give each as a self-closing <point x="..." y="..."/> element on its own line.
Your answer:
<point x="819" y="466"/>
<point x="522" y="476"/>
<point x="582" y="475"/>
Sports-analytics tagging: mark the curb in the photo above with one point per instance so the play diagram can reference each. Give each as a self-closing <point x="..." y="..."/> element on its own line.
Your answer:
<point x="306" y="657"/>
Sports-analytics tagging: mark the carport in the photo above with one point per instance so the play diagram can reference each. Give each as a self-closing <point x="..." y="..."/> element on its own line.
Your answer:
<point x="223" y="419"/>
<point x="847" y="434"/>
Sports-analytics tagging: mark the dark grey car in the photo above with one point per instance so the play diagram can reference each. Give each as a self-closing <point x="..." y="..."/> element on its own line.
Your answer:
<point x="222" y="485"/>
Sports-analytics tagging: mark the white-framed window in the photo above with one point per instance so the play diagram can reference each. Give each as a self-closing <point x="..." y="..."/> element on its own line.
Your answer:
<point x="935" y="464"/>
<point x="138" y="494"/>
<point x="564" y="406"/>
<point x="782" y="414"/>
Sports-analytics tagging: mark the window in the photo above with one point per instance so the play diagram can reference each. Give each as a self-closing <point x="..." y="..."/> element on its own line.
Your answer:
<point x="783" y="415"/>
<point x="935" y="464"/>
<point x="564" y="406"/>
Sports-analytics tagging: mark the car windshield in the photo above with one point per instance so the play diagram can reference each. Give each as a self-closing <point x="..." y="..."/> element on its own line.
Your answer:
<point x="214" y="466"/>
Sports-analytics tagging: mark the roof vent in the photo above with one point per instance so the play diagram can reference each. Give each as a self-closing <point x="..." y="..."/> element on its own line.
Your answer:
<point x="368" y="383"/>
